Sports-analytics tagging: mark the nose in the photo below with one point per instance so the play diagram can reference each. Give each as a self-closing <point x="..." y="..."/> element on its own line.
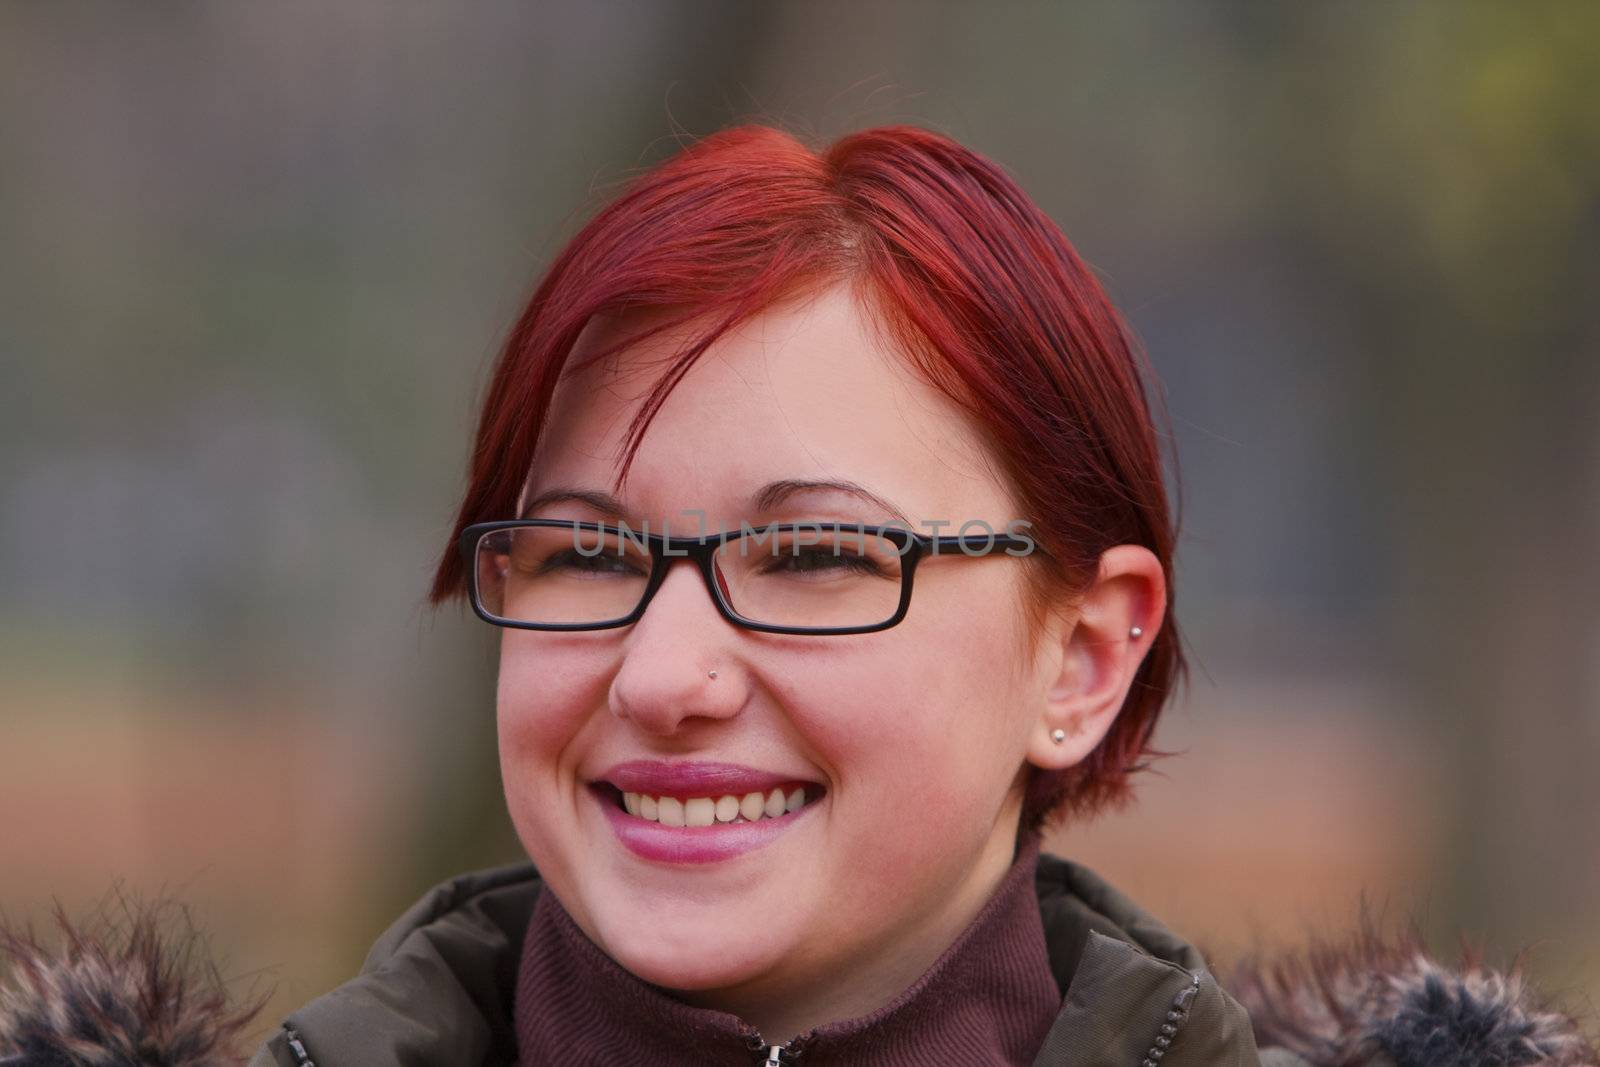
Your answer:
<point x="668" y="655"/>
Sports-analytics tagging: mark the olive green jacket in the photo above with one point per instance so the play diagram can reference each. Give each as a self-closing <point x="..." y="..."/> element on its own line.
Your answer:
<point x="436" y="987"/>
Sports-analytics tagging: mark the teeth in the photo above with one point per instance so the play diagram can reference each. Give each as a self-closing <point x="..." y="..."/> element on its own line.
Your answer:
<point x="671" y="811"/>
<point x="702" y="811"/>
<point x="706" y="811"/>
<point x="752" y="806"/>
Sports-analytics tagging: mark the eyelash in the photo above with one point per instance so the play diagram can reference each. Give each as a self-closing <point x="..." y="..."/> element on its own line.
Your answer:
<point x="783" y="562"/>
<point x="859" y="564"/>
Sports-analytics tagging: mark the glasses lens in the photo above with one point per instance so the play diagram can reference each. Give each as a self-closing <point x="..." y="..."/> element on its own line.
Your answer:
<point x="813" y="576"/>
<point x="560" y="574"/>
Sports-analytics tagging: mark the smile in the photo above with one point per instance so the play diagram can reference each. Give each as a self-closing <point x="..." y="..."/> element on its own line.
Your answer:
<point x="705" y="811"/>
<point x="674" y="829"/>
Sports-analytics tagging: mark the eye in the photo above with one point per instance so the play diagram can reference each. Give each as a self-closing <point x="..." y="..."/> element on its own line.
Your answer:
<point x="822" y="560"/>
<point x="577" y="564"/>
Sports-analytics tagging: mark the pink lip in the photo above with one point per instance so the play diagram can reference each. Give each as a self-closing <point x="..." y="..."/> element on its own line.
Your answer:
<point x="693" y="844"/>
<point x="697" y="778"/>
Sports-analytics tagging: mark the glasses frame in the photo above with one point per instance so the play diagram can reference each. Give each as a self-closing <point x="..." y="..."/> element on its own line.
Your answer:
<point x="701" y="550"/>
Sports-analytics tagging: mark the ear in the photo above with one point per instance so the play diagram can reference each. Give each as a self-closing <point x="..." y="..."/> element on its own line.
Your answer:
<point x="1093" y="655"/>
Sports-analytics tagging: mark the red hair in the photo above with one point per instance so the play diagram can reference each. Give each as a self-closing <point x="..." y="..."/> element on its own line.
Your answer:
<point x="975" y="284"/>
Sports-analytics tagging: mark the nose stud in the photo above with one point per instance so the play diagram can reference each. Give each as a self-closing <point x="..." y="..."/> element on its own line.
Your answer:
<point x="711" y="674"/>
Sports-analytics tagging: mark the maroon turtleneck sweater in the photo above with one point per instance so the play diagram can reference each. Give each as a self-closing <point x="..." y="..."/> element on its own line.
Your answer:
<point x="989" y="999"/>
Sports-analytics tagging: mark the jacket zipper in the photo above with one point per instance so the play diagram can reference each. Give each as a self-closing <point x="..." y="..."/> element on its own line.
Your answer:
<point x="297" y="1049"/>
<point x="1169" y="1029"/>
<point x="776" y="1054"/>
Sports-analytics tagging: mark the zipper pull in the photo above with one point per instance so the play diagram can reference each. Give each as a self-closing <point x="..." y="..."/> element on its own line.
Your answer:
<point x="777" y="1054"/>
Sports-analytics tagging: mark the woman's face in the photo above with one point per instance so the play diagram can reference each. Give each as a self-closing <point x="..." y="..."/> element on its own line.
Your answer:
<point x="915" y="737"/>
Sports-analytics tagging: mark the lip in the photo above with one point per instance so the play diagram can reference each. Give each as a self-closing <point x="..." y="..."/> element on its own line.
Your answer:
<point x="696" y="778"/>
<point x="694" y="844"/>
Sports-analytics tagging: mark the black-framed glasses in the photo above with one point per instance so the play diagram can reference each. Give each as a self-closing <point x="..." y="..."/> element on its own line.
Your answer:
<point x="785" y="578"/>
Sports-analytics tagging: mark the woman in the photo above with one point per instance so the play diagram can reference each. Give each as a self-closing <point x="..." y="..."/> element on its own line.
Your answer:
<point x="821" y="512"/>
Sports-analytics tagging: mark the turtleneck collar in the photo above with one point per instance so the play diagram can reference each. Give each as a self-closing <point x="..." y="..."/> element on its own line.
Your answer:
<point x="989" y="999"/>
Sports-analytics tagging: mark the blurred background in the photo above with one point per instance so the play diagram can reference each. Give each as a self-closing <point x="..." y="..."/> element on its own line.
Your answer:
<point x="255" y="261"/>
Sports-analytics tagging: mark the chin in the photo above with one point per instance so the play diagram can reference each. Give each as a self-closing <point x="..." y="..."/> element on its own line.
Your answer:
<point x="698" y="953"/>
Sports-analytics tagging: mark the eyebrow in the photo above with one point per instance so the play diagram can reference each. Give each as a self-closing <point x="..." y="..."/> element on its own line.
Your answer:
<point x="766" y="498"/>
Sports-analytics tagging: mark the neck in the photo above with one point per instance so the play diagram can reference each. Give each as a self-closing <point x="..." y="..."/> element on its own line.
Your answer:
<point x="785" y="1004"/>
<point x="574" y="1003"/>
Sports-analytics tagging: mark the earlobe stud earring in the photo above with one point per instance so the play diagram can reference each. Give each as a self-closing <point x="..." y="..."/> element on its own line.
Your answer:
<point x="1136" y="632"/>
<point x="1058" y="736"/>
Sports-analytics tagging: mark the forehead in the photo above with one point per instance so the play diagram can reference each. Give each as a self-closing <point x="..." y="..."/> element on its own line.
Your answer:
<point x="806" y="390"/>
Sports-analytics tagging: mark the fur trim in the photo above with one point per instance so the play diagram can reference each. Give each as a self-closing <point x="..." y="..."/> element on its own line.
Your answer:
<point x="119" y="992"/>
<point x="1366" y="999"/>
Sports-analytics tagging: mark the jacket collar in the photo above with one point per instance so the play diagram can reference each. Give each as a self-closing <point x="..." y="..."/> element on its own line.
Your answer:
<point x="438" y="984"/>
<point x="989" y="997"/>
<point x="1136" y="994"/>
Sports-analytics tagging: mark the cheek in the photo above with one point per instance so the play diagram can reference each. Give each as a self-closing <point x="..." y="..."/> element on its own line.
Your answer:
<point x="546" y="697"/>
<point x="531" y="713"/>
<point x="926" y="723"/>
<point x="549" y="686"/>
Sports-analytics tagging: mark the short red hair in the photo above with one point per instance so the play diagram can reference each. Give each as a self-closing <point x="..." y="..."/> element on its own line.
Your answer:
<point x="976" y="285"/>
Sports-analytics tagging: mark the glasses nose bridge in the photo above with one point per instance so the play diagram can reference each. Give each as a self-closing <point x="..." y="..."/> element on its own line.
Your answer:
<point x="700" y="552"/>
